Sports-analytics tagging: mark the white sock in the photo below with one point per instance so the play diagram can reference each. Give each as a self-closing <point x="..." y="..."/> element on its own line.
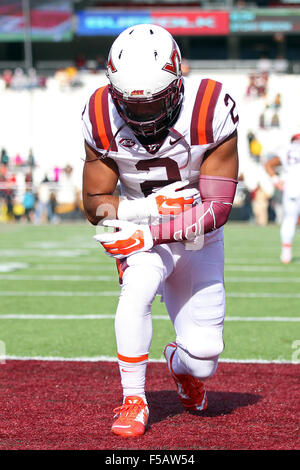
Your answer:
<point x="133" y="378"/>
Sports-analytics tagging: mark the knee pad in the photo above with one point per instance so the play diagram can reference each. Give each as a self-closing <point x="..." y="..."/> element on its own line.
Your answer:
<point x="202" y="343"/>
<point x="200" y="368"/>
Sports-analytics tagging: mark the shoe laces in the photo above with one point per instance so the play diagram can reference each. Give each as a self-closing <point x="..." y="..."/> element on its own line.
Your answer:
<point x="129" y="410"/>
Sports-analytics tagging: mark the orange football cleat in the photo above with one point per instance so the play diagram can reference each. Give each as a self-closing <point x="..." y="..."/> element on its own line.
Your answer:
<point x="131" y="417"/>
<point x="190" y="390"/>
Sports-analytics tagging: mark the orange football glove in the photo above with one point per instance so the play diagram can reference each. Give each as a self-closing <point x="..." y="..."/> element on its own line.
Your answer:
<point x="129" y="239"/>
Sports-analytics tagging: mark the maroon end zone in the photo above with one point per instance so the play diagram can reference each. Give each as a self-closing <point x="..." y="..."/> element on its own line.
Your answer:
<point x="69" y="405"/>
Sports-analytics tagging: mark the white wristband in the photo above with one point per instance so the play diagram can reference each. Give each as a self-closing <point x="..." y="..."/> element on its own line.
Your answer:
<point x="275" y="179"/>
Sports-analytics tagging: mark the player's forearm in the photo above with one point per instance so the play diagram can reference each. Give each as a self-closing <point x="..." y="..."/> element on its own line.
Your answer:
<point x="98" y="207"/>
<point x="217" y="194"/>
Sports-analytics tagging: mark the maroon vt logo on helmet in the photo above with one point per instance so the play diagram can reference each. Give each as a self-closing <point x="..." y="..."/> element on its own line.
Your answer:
<point x="110" y="65"/>
<point x="175" y="65"/>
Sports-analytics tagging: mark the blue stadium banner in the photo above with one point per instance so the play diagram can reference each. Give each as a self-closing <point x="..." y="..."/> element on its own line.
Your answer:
<point x="108" y="23"/>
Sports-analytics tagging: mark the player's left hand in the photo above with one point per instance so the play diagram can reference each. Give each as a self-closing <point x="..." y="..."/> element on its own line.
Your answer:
<point x="129" y="239"/>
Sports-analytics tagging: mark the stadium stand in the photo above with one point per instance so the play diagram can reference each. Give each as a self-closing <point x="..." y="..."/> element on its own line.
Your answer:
<point x="48" y="120"/>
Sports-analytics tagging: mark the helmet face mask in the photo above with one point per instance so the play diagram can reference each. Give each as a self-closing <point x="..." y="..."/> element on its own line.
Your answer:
<point x="149" y="116"/>
<point x="144" y="70"/>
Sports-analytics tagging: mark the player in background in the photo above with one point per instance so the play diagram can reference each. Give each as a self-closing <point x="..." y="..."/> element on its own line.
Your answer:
<point x="288" y="182"/>
<point x="171" y="142"/>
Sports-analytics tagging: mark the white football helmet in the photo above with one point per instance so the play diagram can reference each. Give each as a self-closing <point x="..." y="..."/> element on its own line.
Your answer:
<point x="144" y="71"/>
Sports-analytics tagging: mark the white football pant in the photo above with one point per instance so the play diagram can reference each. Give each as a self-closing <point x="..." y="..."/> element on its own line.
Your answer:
<point x="291" y="212"/>
<point x="192" y="287"/>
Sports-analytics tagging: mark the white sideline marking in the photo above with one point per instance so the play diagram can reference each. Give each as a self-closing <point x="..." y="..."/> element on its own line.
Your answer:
<point x="13" y="277"/>
<point x="114" y="359"/>
<point x="8" y="267"/>
<point x="72" y="267"/>
<point x="111" y="267"/>
<point x="247" y="295"/>
<point x="32" y="316"/>
<point x="263" y="295"/>
<point x="59" y="294"/>
<point x="263" y="261"/>
<point x="263" y="280"/>
<point x="42" y="253"/>
<point x="253" y="268"/>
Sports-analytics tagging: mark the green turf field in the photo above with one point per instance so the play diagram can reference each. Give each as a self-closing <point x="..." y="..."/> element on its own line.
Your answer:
<point x="60" y="293"/>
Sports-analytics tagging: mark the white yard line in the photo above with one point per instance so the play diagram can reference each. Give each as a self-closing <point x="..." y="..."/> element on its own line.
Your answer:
<point x="240" y="279"/>
<point x="43" y="253"/>
<point x="112" y="267"/>
<point x="37" y="316"/>
<point x="247" y="295"/>
<point x="263" y="280"/>
<point x="72" y="267"/>
<point x="114" y="359"/>
<point x="254" y="268"/>
<point x="58" y="294"/>
<point x="16" y="277"/>
<point x="272" y="261"/>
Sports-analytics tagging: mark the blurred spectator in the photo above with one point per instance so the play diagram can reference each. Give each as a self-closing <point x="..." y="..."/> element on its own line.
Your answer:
<point x="43" y="212"/>
<point x="277" y="102"/>
<point x="32" y="79"/>
<point x="31" y="159"/>
<point x="269" y="117"/>
<point x="185" y="66"/>
<point x="18" y="160"/>
<point x="281" y="65"/>
<point x="100" y="63"/>
<point x="9" y="207"/>
<point x="251" y="91"/>
<point x="28" y="177"/>
<point x="67" y="78"/>
<point x="257" y="181"/>
<point x="257" y="86"/>
<point x="53" y="204"/>
<point x="57" y="171"/>
<point x="67" y="195"/>
<point x="255" y="147"/>
<point x="80" y="62"/>
<point x="18" y="210"/>
<point x="19" y="79"/>
<point x="4" y="157"/>
<point x="62" y="78"/>
<point x="262" y="84"/>
<point x="29" y="202"/>
<point x="275" y="120"/>
<point x="264" y="65"/>
<point x="7" y="77"/>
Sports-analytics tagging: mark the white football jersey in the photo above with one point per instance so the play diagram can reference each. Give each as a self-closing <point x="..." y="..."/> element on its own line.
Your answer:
<point x="208" y="116"/>
<point x="290" y="160"/>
